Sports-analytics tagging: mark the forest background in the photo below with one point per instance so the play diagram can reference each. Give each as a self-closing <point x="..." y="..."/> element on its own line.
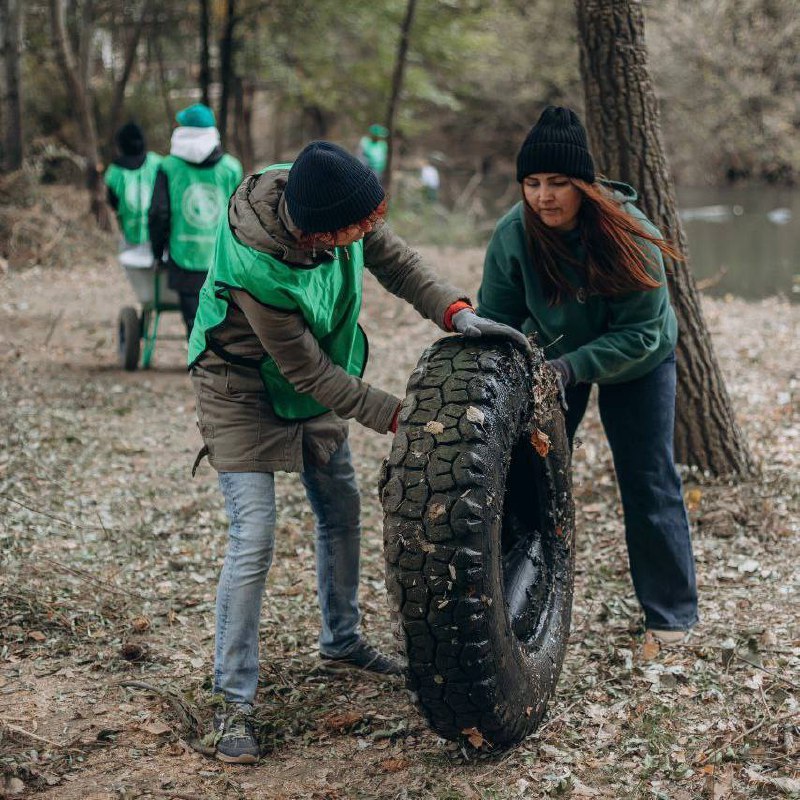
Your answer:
<point x="280" y="73"/>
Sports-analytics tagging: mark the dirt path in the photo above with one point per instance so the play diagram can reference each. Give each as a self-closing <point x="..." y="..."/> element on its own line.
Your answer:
<point x="109" y="553"/>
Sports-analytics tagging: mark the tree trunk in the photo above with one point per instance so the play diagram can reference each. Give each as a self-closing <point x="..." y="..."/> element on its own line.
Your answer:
<point x="169" y="109"/>
<point x="625" y="133"/>
<point x="205" y="56"/>
<point x="227" y="48"/>
<point x="74" y="73"/>
<point x="397" y="85"/>
<point x="11" y="26"/>
<point x="243" y="121"/>
<point x="118" y="100"/>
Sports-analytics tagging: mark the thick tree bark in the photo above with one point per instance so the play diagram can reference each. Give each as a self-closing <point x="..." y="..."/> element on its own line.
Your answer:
<point x="205" y="54"/>
<point x="625" y="133"/>
<point x="227" y="47"/>
<point x="75" y="74"/>
<point x="397" y="85"/>
<point x="11" y="27"/>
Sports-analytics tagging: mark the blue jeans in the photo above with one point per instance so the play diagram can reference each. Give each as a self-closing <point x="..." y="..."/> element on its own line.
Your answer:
<point x="333" y="493"/>
<point x="639" y="419"/>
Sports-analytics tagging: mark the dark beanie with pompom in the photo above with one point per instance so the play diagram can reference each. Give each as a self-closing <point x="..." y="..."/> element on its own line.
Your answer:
<point x="329" y="189"/>
<point x="556" y="143"/>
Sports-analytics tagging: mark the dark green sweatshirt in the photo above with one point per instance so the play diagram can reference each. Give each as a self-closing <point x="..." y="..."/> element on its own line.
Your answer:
<point x="605" y="339"/>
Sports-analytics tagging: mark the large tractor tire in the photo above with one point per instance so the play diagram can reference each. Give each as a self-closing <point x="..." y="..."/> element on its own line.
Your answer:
<point x="478" y="538"/>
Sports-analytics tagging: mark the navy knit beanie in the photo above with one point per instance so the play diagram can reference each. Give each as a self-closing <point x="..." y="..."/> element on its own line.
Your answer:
<point x="556" y="143"/>
<point x="329" y="189"/>
<point x="130" y="140"/>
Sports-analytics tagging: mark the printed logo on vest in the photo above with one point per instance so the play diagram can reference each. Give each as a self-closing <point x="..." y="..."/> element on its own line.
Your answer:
<point x="137" y="196"/>
<point x="202" y="205"/>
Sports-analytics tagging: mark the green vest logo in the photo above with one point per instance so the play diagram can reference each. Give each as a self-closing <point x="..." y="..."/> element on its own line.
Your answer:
<point x="202" y="205"/>
<point x="137" y="196"/>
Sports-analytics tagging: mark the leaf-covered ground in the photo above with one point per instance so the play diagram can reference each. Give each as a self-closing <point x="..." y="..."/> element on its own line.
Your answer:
<point x="109" y="553"/>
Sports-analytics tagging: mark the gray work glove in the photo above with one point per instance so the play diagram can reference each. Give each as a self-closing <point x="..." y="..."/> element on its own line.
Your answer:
<point x="565" y="377"/>
<point x="471" y="326"/>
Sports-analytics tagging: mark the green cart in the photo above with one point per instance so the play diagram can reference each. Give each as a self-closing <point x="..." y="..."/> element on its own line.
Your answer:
<point x="149" y="282"/>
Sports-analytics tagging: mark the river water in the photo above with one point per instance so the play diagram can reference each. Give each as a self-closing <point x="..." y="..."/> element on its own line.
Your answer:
<point x="744" y="241"/>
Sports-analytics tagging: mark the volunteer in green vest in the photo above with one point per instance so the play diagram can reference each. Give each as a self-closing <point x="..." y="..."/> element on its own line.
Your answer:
<point x="189" y="199"/>
<point x="578" y="264"/>
<point x="373" y="150"/>
<point x="129" y="184"/>
<point x="276" y="357"/>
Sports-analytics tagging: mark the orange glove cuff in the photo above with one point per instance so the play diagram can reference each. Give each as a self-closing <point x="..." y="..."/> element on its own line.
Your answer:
<point x="459" y="305"/>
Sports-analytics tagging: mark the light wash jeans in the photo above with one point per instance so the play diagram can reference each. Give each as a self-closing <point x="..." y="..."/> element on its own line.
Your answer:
<point x="332" y="491"/>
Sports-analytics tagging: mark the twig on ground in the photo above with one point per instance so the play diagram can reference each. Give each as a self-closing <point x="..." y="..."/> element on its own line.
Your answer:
<point x="188" y="720"/>
<point x="87" y="576"/>
<point x="29" y="735"/>
<point x="51" y="330"/>
<point x="46" y="513"/>
<point x="741" y="736"/>
<point x="771" y="672"/>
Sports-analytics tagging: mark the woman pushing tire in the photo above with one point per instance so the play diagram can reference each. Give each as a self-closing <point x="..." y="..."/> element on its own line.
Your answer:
<point x="478" y="537"/>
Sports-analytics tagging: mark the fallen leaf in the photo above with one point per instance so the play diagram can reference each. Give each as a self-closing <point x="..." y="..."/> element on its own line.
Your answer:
<point x="434" y="427"/>
<point x="474" y="737"/>
<point x="723" y="784"/>
<point x="394" y="764"/>
<point x="650" y="648"/>
<point x="14" y="786"/>
<point x="436" y="510"/>
<point x="475" y="415"/>
<point x="788" y="785"/>
<point x="37" y="636"/>
<point x="582" y="790"/>
<point x="155" y="728"/>
<point x="339" y="723"/>
<point x="541" y="442"/>
<point x="140" y="624"/>
<point x="692" y="498"/>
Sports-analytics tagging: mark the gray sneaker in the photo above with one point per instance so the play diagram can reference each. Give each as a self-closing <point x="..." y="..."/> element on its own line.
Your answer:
<point x="363" y="656"/>
<point x="237" y="742"/>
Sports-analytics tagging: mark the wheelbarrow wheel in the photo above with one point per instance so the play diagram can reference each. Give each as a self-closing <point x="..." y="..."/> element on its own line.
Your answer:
<point x="478" y="538"/>
<point x="129" y="338"/>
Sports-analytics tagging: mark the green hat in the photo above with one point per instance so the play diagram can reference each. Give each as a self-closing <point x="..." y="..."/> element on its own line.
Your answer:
<point x="197" y="116"/>
<point x="379" y="131"/>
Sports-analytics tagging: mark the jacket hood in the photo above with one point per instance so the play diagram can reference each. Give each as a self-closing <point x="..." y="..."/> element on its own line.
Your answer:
<point x="622" y="192"/>
<point x="258" y="218"/>
<point x="194" y="145"/>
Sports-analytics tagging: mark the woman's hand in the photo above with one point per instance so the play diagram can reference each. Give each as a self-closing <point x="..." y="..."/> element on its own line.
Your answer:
<point x="471" y="326"/>
<point x="565" y="377"/>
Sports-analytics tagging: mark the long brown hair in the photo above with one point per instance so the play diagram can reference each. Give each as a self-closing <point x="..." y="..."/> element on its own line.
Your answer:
<point x="615" y="262"/>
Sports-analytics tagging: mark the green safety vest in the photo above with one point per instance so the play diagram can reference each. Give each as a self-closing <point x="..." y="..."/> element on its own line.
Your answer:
<point x="328" y="296"/>
<point x="375" y="153"/>
<point x="134" y="191"/>
<point x="198" y="198"/>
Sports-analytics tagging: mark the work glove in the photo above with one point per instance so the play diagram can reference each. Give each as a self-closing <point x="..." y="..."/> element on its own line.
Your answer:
<point x="471" y="326"/>
<point x="565" y="377"/>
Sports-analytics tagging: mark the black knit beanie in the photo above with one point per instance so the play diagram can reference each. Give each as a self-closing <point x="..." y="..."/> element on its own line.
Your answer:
<point x="556" y="143"/>
<point x="130" y="140"/>
<point x="329" y="189"/>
